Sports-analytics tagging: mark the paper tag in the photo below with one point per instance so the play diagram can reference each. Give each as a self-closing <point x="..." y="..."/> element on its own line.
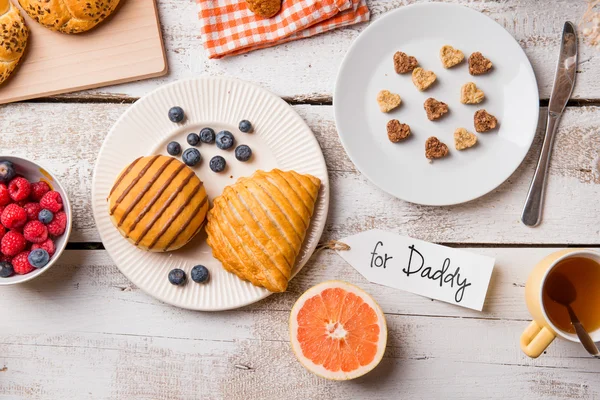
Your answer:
<point x="439" y="272"/>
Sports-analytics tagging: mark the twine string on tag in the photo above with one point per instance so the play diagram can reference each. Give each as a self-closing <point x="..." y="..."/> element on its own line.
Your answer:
<point x="332" y="245"/>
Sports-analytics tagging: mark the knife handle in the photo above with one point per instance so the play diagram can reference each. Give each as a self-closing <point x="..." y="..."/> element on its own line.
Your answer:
<point x="532" y="212"/>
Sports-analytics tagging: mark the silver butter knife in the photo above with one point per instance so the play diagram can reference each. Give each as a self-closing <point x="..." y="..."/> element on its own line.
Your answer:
<point x="564" y="81"/>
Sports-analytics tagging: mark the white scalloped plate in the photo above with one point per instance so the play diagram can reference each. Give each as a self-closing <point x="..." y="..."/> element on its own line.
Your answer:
<point x="281" y="139"/>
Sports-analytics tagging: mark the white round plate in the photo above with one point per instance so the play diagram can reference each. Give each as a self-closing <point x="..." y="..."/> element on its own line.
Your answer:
<point x="401" y="168"/>
<point x="281" y="139"/>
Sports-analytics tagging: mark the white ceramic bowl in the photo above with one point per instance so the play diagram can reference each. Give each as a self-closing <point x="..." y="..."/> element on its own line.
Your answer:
<point x="34" y="172"/>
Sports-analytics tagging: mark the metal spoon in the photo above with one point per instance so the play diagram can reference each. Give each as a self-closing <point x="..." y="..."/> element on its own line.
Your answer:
<point x="562" y="291"/>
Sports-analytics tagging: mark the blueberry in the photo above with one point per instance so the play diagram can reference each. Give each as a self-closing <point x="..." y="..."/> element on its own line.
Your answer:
<point x="243" y="152"/>
<point x="207" y="135"/>
<point x="200" y="273"/>
<point x="176" y="114"/>
<point x="174" y="148"/>
<point x="45" y="216"/>
<point x="191" y="157"/>
<point x="177" y="276"/>
<point x="245" y="126"/>
<point x="224" y="140"/>
<point x="193" y="139"/>
<point x="7" y="171"/>
<point x="217" y="164"/>
<point x="7" y="270"/>
<point x="38" y="258"/>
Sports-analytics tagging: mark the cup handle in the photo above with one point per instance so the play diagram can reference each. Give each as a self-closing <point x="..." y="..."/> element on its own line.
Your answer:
<point x="535" y="339"/>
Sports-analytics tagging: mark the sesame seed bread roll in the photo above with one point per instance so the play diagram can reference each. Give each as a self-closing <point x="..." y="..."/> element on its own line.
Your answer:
<point x="14" y="38"/>
<point x="158" y="203"/>
<point x="69" y="16"/>
<point x="257" y="225"/>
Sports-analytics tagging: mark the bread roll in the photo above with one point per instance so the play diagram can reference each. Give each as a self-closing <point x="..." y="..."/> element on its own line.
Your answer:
<point x="257" y="225"/>
<point x="158" y="203"/>
<point x="69" y="16"/>
<point x="14" y="38"/>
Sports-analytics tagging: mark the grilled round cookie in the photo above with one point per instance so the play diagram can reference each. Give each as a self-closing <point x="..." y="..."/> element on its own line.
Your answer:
<point x="14" y="35"/>
<point x="158" y="203"/>
<point x="69" y="16"/>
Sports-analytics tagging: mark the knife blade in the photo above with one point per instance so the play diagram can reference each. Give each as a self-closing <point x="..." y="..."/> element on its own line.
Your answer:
<point x="564" y="82"/>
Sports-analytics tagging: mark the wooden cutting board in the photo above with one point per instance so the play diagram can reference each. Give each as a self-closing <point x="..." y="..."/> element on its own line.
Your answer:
<point x="126" y="47"/>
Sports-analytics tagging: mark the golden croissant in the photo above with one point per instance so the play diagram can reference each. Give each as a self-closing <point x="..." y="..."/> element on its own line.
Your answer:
<point x="257" y="225"/>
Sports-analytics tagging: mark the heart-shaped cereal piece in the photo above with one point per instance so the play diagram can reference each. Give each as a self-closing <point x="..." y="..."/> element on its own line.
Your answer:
<point x="435" y="109"/>
<point x="471" y="94"/>
<point x="403" y="63"/>
<point x="464" y="139"/>
<point x="484" y="121"/>
<point x="388" y="101"/>
<point x="451" y="56"/>
<point x="435" y="149"/>
<point x="264" y="8"/>
<point x="478" y="64"/>
<point x="422" y="78"/>
<point x="397" y="131"/>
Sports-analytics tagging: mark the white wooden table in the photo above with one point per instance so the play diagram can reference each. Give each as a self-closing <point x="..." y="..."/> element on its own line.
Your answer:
<point x="82" y="331"/>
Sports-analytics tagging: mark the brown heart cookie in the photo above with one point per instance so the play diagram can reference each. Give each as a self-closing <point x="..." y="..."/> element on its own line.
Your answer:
<point x="484" y="121"/>
<point x="264" y="8"/>
<point x="403" y="63"/>
<point x="471" y="94"/>
<point x="435" y="109"/>
<point x="478" y="64"/>
<point x="464" y="139"/>
<point x="388" y="101"/>
<point x="397" y="131"/>
<point x="422" y="78"/>
<point x="451" y="56"/>
<point x="435" y="149"/>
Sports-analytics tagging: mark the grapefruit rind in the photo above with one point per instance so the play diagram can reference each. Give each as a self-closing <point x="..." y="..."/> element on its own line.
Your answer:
<point x="319" y="369"/>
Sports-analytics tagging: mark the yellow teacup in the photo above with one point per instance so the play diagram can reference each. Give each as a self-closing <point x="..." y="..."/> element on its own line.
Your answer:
<point x="542" y="331"/>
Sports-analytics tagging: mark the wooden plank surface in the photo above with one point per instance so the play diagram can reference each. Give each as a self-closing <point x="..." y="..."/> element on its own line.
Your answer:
<point x="100" y="330"/>
<point x="66" y="138"/>
<point x="306" y="69"/>
<point x="83" y="331"/>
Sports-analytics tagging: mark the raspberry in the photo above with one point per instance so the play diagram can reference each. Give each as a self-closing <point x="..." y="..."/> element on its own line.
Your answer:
<point x="13" y="216"/>
<point x="19" y="188"/>
<point x="32" y="210"/>
<point x="48" y="245"/>
<point x="52" y="201"/>
<point x="35" y="232"/>
<point x="58" y="225"/>
<point x="38" y="190"/>
<point x="2" y="232"/>
<point x="21" y="264"/>
<point x="12" y="243"/>
<point x="4" y="195"/>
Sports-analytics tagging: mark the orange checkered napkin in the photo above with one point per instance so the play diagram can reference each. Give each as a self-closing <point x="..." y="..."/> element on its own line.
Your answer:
<point x="230" y="28"/>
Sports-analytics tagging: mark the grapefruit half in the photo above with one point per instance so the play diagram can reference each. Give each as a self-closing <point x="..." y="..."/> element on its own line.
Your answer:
<point x="337" y="331"/>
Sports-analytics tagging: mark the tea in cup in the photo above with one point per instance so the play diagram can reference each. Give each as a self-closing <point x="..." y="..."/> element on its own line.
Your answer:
<point x="566" y="277"/>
